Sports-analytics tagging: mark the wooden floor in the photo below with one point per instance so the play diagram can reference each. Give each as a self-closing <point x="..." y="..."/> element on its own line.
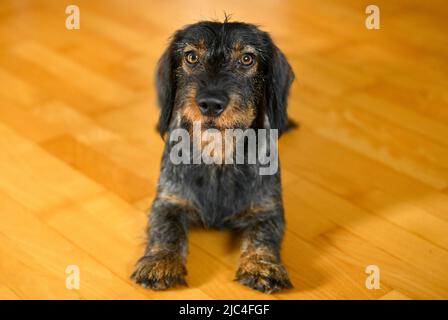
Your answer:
<point x="365" y="178"/>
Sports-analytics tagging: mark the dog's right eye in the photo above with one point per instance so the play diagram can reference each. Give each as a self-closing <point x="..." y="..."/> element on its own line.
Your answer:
<point x="191" y="57"/>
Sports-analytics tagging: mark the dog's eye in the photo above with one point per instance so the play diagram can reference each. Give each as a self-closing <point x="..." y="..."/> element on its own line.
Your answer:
<point x="246" y="59"/>
<point x="191" y="57"/>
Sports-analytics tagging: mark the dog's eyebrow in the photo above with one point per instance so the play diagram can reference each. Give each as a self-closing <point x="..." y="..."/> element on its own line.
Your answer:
<point x="190" y="46"/>
<point x="249" y="49"/>
<point x="244" y="48"/>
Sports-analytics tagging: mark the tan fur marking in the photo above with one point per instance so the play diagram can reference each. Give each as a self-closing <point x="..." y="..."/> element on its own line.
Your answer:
<point x="172" y="198"/>
<point x="165" y="266"/>
<point x="232" y="117"/>
<point x="239" y="49"/>
<point x="190" y="110"/>
<point x="254" y="209"/>
<point x="254" y="260"/>
<point x="261" y="269"/>
<point x="268" y="205"/>
<point x="171" y="266"/>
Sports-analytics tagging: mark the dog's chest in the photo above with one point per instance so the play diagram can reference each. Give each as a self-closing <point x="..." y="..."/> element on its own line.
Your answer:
<point x="222" y="191"/>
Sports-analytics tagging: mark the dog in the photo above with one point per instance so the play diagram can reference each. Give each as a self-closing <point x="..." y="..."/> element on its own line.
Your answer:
<point x="223" y="75"/>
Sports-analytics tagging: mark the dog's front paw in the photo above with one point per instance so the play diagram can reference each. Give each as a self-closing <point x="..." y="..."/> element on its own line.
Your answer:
<point x="160" y="271"/>
<point x="263" y="275"/>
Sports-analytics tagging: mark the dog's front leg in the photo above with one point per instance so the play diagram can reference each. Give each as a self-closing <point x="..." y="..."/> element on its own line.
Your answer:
<point x="260" y="265"/>
<point x="163" y="264"/>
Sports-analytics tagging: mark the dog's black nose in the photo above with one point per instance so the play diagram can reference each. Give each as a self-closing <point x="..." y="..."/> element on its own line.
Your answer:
<point x="212" y="105"/>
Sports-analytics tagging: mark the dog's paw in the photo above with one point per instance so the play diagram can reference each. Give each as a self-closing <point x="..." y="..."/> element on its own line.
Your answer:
<point x="263" y="275"/>
<point x="160" y="271"/>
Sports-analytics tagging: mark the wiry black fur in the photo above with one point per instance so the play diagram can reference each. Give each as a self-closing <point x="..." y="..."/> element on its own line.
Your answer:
<point x="219" y="196"/>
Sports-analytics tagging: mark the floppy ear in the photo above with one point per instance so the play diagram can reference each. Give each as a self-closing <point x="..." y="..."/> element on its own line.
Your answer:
<point x="166" y="90"/>
<point x="280" y="77"/>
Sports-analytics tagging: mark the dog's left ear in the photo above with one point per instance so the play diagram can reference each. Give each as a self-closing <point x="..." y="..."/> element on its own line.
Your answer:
<point x="166" y="89"/>
<point x="280" y="77"/>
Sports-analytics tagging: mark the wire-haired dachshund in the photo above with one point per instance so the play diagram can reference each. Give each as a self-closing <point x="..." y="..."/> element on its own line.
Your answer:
<point x="223" y="76"/>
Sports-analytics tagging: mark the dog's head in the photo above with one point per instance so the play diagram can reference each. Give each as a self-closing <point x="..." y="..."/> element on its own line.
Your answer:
<point x="226" y="75"/>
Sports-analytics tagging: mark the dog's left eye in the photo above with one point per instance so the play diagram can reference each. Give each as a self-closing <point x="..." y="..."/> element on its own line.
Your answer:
<point x="191" y="57"/>
<point x="246" y="59"/>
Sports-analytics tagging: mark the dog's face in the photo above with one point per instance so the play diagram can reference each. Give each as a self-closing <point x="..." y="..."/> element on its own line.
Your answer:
<point x="226" y="75"/>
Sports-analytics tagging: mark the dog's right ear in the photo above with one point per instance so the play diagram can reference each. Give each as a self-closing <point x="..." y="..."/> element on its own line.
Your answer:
<point x="166" y="89"/>
<point x="279" y="82"/>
